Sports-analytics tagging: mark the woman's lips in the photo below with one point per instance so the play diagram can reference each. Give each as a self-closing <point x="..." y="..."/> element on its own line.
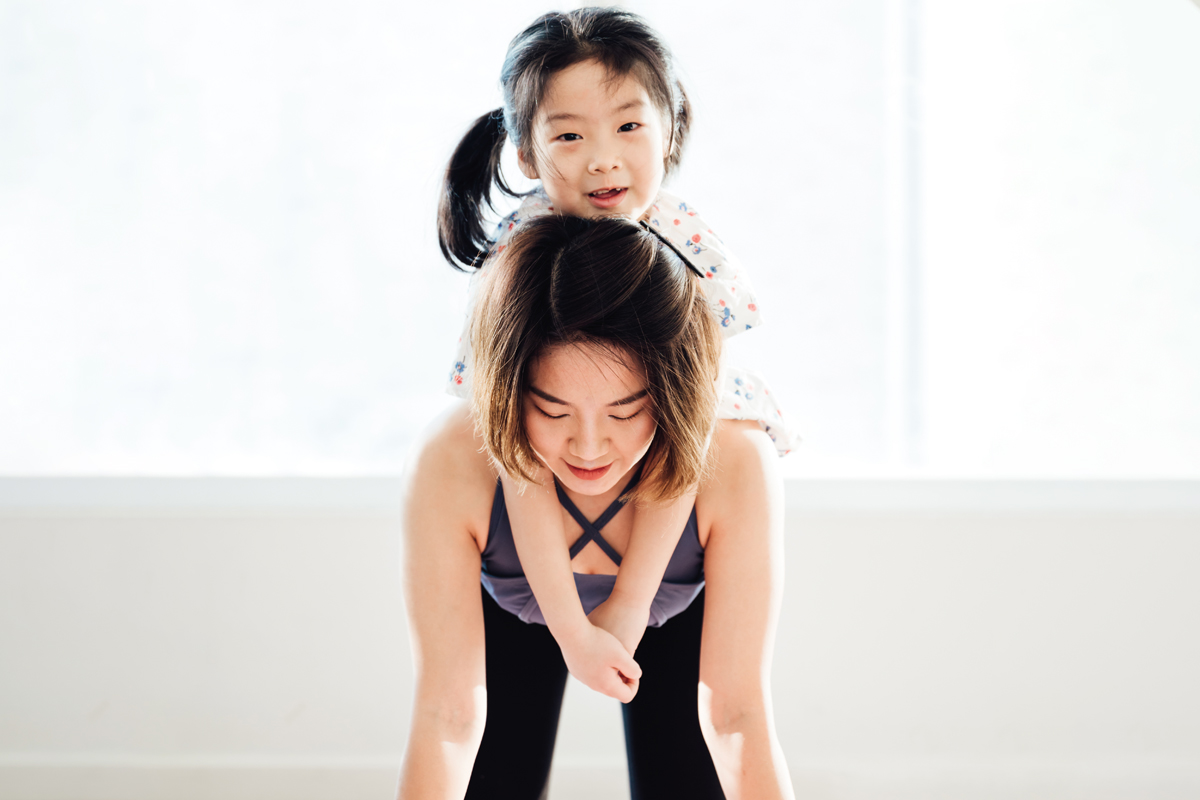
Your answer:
<point x="607" y="198"/>
<point x="588" y="474"/>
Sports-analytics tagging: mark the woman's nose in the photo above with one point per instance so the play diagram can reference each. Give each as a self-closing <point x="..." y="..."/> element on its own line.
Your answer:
<point x="588" y="444"/>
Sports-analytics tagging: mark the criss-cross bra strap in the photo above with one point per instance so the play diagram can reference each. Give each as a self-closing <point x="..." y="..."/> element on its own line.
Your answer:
<point x="591" y="530"/>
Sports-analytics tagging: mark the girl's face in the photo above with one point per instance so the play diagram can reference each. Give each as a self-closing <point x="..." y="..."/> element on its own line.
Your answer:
<point x="587" y="416"/>
<point x="599" y="144"/>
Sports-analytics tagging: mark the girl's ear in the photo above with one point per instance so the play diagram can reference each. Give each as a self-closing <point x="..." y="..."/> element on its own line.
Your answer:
<point x="527" y="169"/>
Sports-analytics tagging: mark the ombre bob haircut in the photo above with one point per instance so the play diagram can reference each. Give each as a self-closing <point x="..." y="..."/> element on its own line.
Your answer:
<point x="611" y="284"/>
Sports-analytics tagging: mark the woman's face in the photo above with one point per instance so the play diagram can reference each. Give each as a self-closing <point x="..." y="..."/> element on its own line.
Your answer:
<point x="587" y="416"/>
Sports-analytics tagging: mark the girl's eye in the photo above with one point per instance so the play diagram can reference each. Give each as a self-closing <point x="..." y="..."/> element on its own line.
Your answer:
<point x="629" y="126"/>
<point x="547" y="416"/>
<point x="570" y="137"/>
<point x="626" y="419"/>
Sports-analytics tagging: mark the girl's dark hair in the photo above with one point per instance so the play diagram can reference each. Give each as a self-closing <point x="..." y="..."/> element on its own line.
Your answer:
<point x="605" y="283"/>
<point x="622" y="42"/>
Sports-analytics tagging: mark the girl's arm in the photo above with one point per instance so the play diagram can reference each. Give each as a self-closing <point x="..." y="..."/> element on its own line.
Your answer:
<point x="656" y="532"/>
<point x="741" y="507"/>
<point x="447" y="495"/>
<point x="593" y="655"/>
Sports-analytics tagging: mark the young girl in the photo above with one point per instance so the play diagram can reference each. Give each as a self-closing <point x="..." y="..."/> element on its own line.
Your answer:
<point x="593" y="107"/>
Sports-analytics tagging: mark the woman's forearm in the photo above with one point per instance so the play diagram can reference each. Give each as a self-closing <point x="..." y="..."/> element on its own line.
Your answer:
<point x="746" y="754"/>
<point x="751" y="765"/>
<point x="441" y="751"/>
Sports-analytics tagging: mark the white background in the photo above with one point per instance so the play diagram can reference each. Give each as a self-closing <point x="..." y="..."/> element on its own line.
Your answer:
<point x="977" y="253"/>
<point x="973" y="227"/>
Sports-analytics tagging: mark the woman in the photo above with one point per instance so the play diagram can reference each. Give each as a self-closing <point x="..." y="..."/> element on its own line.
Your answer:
<point x="597" y="359"/>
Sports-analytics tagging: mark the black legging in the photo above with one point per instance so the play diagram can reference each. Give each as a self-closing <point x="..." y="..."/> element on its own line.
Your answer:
<point x="526" y="677"/>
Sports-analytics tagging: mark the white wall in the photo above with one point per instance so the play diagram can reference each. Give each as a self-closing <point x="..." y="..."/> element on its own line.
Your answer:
<point x="225" y="638"/>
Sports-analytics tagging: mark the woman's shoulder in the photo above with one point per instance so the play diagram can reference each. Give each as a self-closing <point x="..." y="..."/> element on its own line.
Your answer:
<point x="744" y="470"/>
<point x="449" y="473"/>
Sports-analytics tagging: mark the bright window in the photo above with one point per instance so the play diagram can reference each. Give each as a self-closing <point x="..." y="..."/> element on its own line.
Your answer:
<point x="972" y="227"/>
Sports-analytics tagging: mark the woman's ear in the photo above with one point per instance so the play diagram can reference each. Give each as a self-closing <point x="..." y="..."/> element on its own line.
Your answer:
<point x="527" y="168"/>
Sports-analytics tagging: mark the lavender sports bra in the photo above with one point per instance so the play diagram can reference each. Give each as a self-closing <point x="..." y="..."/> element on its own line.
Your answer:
<point x="504" y="579"/>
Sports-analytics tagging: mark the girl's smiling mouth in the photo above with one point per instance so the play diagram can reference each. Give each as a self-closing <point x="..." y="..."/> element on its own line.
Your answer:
<point x="607" y="198"/>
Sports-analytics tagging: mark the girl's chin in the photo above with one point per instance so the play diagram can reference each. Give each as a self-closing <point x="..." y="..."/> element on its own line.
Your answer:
<point x="628" y="210"/>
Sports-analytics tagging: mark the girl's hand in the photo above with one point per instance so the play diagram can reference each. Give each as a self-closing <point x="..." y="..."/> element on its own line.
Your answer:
<point x="600" y="662"/>
<point x="626" y="621"/>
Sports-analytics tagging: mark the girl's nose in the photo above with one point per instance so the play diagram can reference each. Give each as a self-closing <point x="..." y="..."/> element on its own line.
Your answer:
<point x="604" y="159"/>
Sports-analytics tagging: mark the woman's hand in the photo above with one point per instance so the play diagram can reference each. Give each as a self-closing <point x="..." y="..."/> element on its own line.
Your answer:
<point x="626" y="621"/>
<point x="600" y="662"/>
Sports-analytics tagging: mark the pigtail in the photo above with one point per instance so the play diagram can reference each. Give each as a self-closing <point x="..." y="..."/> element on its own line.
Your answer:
<point x="473" y="170"/>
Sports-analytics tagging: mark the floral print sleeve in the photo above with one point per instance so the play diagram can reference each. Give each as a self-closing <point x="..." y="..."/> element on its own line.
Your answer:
<point x="744" y="394"/>
<point x="727" y="289"/>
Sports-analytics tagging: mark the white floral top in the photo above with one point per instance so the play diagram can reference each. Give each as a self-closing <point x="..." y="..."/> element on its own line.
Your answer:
<point x="744" y="394"/>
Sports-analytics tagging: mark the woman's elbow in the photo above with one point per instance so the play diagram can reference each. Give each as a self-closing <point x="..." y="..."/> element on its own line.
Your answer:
<point x="724" y="714"/>
<point x="455" y="719"/>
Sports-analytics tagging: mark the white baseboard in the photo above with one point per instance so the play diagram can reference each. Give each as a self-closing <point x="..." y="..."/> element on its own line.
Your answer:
<point x="197" y="779"/>
<point x="999" y="779"/>
<point x="583" y="781"/>
<point x="92" y="779"/>
<point x="375" y="779"/>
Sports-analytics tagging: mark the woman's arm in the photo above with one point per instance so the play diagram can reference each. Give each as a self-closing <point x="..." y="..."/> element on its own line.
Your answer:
<point x="447" y="495"/>
<point x="741" y="507"/>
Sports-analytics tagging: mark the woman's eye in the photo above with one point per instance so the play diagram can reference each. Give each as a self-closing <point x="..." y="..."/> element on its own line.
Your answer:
<point x="626" y="419"/>
<point x="570" y="137"/>
<point x="629" y="126"/>
<point x="547" y="416"/>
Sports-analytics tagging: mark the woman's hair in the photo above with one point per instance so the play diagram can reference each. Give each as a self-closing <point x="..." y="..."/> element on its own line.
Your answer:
<point x="622" y="42"/>
<point x="604" y="283"/>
